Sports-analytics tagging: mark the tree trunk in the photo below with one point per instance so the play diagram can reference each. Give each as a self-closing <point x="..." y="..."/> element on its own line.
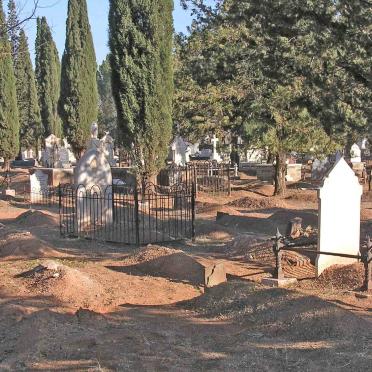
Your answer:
<point x="280" y="172"/>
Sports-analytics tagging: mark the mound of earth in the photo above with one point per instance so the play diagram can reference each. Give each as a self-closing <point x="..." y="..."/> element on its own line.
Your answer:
<point x="166" y="262"/>
<point x="257" y="203"/>
<point x="23" y="245"/>
<point x="339" y="277"/>
<point x="302" y="195"/>
<point x="34" y="218"/>
<point x="279" y="312"/>
<point x="67" y="285"/>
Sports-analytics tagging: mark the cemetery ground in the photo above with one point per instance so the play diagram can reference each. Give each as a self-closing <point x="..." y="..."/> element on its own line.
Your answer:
<point x="69" y="304"/>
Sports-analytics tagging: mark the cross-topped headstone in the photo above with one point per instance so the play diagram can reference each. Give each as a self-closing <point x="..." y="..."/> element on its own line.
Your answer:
<point x="215" y="155"/>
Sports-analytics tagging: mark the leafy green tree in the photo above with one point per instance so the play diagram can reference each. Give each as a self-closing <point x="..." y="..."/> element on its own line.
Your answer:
<point x="78" y="105"/>
<point x="30" y="129"/>
<point x="141" y="37"/>
<point x="48" y="76"/>
<point x="318" y="55"/>
<point x="9" y="124"/>
<point x="107" y="115"/>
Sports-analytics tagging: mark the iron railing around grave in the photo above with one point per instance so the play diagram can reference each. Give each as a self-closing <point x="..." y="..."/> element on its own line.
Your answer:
<point x="208" y="176"/>
<point x="281" y="244"/>
<point x="128" y="215"/>
<point x="41" y="197"/>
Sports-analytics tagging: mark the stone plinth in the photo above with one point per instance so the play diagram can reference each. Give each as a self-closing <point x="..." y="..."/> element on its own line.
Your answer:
<point x="265" y="172"/>
<point x="9" y="193"/>
<point x="294" y="172"/>
<point x="56" y="176"/>
<point x="215" y="275"/>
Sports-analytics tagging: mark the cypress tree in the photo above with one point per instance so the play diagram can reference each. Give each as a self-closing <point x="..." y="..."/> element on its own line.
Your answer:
<point x="30" y="129"/>
<point x="140" y="40"/>
<point x="107" y="116"/>
<point x="9" y="124"/>
<point x="13" y="27"/>
<point x="78" y="105"/>
<point x="48" y="75"/>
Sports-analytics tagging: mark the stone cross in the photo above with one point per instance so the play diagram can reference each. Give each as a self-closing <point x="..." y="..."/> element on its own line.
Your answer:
<point x="214" y="141"/>
<point x="339" y="216"/>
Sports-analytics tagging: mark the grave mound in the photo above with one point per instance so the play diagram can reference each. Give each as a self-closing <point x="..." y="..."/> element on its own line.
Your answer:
<point x="69" y="286"/>
<point x="278" y="312"/>
<point x="166" y="262"/>
<point x="23" y="245"/>
<point x="34" y="218"/>
<point x="257" y="203"/>
<point x="339" y="277"/>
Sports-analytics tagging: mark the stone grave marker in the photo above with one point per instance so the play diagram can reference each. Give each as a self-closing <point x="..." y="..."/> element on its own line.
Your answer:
<point x="339" y="216"/>
<point x="38" y="186"/>
<point x="93" y="179"/>
<point x="355" y="154"/>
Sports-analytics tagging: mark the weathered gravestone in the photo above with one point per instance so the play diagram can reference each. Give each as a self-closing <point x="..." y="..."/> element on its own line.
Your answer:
<point x="355" y="154"/>
<point x="339" y="216"/>
<point x="38" y="186"/>
<point x="93" y="179"/>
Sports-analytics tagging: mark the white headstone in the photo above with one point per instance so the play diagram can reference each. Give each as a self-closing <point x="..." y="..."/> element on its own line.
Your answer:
<point x="93" y="178"/>
<point x="355" y="154"/>
<point x="178" y="151"/>
<point x="38" y="186"/>
<point x="339" y="216"/>
<point x="108" y="144"/>
<point x="215" y="155"/>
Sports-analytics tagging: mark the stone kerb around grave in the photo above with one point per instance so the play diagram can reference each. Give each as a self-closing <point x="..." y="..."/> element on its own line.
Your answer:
<point x="339" y="216"/>
<point x="93" y="179"/>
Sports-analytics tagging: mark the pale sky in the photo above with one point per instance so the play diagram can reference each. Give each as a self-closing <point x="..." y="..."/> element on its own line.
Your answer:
<point x="56" y="12"/>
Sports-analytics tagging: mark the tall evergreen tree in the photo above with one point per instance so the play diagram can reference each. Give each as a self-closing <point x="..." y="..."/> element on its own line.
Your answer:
<point x="78" y="105"/>
<point x="141" y="34"/>
<point x="13" y="27"/>
<point x="48" y="76"/>
<point x="9" y="124"/>
<point x="107" y="115"/>
<point x="316" y="55"/>
<point x="30" y="129"/>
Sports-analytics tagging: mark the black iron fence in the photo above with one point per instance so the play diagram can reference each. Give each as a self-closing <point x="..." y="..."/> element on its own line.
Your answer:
<point x="128" y="215"/>
<point x="282" y="244"/>
<point x="40" y="197"/>
<point x="208" y="176"/>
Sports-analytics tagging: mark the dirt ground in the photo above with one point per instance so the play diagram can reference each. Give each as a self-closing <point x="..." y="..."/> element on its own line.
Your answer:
<point x="69" y="304"/>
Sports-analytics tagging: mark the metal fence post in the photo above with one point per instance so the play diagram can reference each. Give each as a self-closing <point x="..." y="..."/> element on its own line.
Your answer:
<point x="229" y="179"/>
<point x="367" y="261"/>
<point x="193" y="212"/>
<point x="278" y="245"/>
<point x="136" y="212"/>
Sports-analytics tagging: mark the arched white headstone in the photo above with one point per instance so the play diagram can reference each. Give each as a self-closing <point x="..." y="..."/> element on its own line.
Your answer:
<point x="93" y="179"/>
<point x="339" y="216"/>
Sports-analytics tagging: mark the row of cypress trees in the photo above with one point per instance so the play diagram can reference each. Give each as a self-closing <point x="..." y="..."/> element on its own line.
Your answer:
<point x="64" y="98"/>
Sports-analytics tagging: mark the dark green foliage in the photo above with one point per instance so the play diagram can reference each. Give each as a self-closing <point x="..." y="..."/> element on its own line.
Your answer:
<point x="107" y="116"/>
<point x="30" y="128"/>
<point x="78" y="105"/>
<point x="13" y="28"/>
<point x="48" y="75"/>
<point x="9" y="124"/>
<point x="141" y="34"/>
<point x="315" y="54"/>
